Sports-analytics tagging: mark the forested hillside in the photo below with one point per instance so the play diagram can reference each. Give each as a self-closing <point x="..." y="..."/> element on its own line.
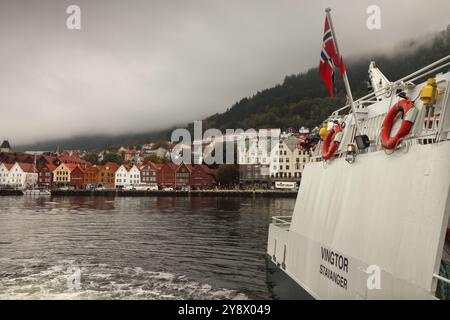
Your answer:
<point x="302" y="100"/>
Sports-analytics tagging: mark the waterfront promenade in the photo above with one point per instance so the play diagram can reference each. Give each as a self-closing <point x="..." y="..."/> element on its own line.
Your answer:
<point x="177" y="193"/>
<point x="192" y="193"/>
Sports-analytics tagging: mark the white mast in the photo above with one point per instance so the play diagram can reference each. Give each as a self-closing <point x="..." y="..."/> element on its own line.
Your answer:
<point x="378" y="81"/>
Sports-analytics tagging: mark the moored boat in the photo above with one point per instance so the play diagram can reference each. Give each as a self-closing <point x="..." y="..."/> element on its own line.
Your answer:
<point x="37" y="192"/>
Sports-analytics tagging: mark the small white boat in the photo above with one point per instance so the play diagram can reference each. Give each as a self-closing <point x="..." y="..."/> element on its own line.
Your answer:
<point x="37" y="192"/>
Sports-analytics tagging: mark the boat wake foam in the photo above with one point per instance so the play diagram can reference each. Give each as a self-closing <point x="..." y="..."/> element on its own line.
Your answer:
<point x="36" y="281"/>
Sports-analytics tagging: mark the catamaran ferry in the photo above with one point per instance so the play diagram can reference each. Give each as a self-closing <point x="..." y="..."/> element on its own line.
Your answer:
<point x="371" y="218"/>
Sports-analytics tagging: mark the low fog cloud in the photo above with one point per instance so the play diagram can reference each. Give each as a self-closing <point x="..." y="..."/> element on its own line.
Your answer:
<point x="146" y="65"/>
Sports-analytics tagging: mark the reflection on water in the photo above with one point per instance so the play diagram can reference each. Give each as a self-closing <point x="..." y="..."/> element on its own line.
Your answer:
<point x="135" y="248"/>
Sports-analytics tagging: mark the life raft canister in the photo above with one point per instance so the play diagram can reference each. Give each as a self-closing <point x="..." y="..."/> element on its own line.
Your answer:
<point x="406" y="108"/>
<point x="332" y="141"/>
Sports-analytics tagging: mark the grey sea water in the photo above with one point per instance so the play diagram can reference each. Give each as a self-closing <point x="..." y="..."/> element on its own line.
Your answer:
<point x="135" y="248"/>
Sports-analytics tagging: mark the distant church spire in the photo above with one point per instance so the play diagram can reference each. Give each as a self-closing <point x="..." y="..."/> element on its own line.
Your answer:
<point x="5" y="146"/>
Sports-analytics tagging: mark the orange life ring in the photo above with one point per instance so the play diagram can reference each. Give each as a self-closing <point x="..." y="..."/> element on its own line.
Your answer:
<point x="330" y="143"/>
<point x="406" y="107"/>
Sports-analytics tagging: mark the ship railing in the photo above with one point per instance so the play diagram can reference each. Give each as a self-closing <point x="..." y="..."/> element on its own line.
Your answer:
<point x="443" y="279"/>
<point x="431" y="68"/>
<point x="282" y="221"/>
<point x="428" y="129"/>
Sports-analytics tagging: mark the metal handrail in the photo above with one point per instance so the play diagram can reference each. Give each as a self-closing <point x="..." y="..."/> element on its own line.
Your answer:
<point x="433" y="134"/>
<point x="441" y="278"/>
<point x="417" y="74"/>
<point x="282" y="220"/>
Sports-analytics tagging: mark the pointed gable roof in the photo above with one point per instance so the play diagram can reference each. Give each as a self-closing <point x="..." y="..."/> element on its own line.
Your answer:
<point x="111" y="166"/>
<point x="51" y="167"/>
<point x="205" y="169"/>
<point x="93" y="168"/>
<point x="150" y="166"/>
<point x="169" y="166"/>
<point x="156" y="166"/>
<point x="189" y="167"/>
<point x="48" y="159"/>
<point x="27" y="167"/>
<point x="5" y="145"/>
<point x="8" y="166"/>
<point x="71" y="167"/>
<point x="134" y="166"/>
<point x="124" y="166"/>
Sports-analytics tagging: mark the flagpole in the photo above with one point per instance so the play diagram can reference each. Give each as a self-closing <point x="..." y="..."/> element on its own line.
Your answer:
<point x="344" y="75"/>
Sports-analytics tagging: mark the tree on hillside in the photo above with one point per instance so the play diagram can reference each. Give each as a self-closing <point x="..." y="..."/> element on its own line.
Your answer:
<point x="155" y="159"/>
<point x="112" y="157"/>
<point x="161" y="144"/>
<point x="91" y="157"/>
<point x="136" y="146"/>
<point x="112" y="148"/>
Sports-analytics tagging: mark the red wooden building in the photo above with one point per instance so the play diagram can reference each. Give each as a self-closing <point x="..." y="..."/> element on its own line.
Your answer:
<point x="183" y="175"/>
<point x="150" y="173"/>
<point x="167" y="175"/>
<point x="76" y="176"/>
<point x="203" y="177"/>
<point x="45" y="175"/>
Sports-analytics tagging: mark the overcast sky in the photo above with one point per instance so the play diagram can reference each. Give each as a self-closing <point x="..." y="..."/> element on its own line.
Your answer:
<point x="144" y="65"/>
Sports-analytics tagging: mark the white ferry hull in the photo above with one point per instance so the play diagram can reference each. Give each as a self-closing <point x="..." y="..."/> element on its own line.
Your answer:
<point x="281" y="286"/>
<point x="342" y="231"/>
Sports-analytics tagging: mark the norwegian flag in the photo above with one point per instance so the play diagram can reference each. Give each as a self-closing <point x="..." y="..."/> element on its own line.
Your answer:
<point x="329" y="59"/>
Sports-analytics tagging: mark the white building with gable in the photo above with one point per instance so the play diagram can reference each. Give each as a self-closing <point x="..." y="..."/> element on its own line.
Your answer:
<point x="18" y="175"/>
<point x="127" y="176"/>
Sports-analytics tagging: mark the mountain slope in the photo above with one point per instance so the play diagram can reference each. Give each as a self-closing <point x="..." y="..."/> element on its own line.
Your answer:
<point x="302" y="100"/>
